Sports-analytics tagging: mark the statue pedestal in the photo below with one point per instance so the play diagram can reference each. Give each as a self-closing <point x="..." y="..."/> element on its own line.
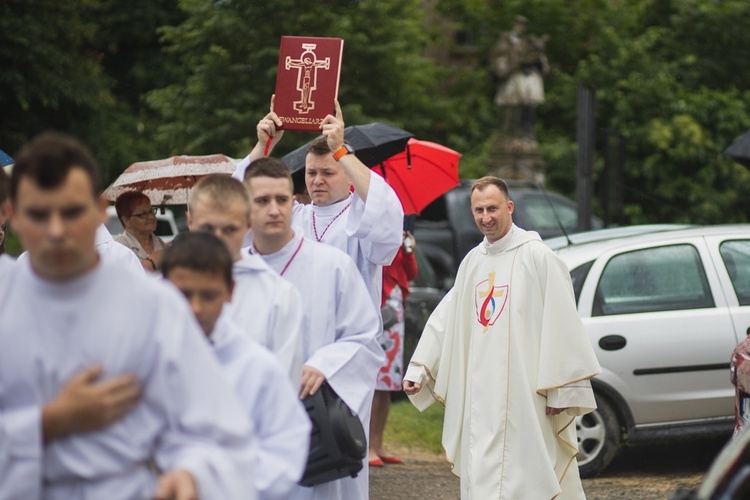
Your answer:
<point x="515" y="158"/>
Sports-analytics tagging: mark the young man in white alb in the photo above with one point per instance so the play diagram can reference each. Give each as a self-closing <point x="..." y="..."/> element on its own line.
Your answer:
<point x="200" y="266"/>
<point x="340" y="323"/>
<point x="264" y="305"/>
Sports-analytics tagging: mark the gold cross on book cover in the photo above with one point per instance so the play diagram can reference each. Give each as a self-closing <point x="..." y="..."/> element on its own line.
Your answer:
<point x="307" y="83"/>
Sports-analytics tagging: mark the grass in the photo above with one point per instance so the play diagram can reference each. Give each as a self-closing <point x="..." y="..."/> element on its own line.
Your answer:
<point x="409" y="428"/>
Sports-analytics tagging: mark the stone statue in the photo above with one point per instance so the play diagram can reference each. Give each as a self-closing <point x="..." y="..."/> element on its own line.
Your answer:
<point x="518" y="62"/>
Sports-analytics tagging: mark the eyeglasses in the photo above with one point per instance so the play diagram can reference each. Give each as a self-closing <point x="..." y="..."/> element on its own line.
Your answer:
<point x="143" y="215"/>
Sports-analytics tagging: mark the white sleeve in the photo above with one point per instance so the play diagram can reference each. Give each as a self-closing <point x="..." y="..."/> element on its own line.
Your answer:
<point x="21" y="453"/>
<point x="424" y="364"/>
<point x="207" y="431"/>
<point x="378" y="223"/>
<point x="351" y="363"/>
<point x="239" y="172"/>
<point x="577" y="397"/>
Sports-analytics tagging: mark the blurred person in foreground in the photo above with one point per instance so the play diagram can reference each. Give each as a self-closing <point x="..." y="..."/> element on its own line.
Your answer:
<point x="396" y="279"/>
<point x="200" y="266"/>
<point x="506" y="354"/>
<point x="64" y="310"/>
<point x="138" y="218"/>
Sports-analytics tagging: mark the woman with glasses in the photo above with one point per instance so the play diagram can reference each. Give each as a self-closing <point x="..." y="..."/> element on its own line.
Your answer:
<point x="138" y="218"/>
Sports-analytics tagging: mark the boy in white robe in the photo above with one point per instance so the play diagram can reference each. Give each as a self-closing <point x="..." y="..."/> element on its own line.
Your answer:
<point x="200" y="266"/>
<point x="339" y="321"/>
<point x="364" y="223"/>
<point x="64" y="310"/>
<point x="506" y="354"/>
<point x="264" y="305"/>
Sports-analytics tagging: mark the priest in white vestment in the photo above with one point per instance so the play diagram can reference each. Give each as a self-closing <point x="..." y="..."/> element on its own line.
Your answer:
<point x="365" y="223"/>
<point x="339" y="321"/>
<point x="264" y="305"/>
<point x="200" y="266"/>
<point x="66" y="309"/>
<point x="506" y="354"/>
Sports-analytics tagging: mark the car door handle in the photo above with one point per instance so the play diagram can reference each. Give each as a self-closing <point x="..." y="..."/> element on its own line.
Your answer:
<point x="612" y="342"/>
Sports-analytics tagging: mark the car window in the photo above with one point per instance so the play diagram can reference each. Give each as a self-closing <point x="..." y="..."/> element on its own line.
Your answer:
<point x="541" y="213"/>
<point x="163" y="228"/>
<point x="655" y="279"/>
<point x="578" y="276"/>
<point x="736" y="256"/>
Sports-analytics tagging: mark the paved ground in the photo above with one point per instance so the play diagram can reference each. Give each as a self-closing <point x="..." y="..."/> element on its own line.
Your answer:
<point x="640" y="472"/>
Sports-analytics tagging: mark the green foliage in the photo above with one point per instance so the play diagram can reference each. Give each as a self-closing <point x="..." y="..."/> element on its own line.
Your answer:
<point x="48" y="80"/>
<point x="147" y="79"/>
<point x="232" y="60"/>
<point x="409" y="428"/>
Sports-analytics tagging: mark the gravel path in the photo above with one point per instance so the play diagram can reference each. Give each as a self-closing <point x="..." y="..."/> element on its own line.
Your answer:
<point x="640" y="472"/>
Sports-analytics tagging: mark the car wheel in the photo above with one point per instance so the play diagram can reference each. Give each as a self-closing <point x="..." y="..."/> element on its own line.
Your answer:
<point x="598" y="438"/>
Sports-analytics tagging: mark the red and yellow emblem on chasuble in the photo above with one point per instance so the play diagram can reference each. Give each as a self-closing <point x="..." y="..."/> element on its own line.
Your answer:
<point x="489" y="301"/>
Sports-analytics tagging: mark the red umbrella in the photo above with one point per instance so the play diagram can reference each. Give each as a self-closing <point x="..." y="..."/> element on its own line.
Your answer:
<point x="167" y="182"/>
<point x="421" y="173"/>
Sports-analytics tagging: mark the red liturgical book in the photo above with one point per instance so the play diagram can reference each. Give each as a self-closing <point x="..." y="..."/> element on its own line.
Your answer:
<point x="308" y="80"/>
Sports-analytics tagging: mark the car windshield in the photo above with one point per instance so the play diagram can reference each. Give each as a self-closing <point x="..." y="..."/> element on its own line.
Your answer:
<point x="542" y="214"/>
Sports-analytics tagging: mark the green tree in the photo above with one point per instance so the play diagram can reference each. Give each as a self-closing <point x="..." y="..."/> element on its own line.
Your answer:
<point x="230" y="52"/>
<point x="48" y="78"/>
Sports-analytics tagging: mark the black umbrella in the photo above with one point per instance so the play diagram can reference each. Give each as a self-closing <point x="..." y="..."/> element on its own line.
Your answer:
<point x="739" y="151"/>
<point x="372" y="143"/>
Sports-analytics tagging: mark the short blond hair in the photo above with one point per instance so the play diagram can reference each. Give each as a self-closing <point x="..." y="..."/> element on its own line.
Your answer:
<point x="219" y="191"/>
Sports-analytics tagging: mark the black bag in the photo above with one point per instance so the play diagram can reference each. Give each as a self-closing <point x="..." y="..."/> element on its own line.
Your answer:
<point x="337" y="443"/>
<point x="389" y="315"/>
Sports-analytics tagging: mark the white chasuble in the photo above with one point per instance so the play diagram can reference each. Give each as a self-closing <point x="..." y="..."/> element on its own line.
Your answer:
<point x="496" y="352"/>
<point x="339" y="327"/>
<point x="188" y="417"/>
<point x="369" y="232"/>
<point x="280" y="422"/>
<point x="267" y="308"/>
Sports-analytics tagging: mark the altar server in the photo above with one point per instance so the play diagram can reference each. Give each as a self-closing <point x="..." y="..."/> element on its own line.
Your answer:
<point x="340" y="322"/>
<point x="200" y="266"/>
<point x="265" y="306"/>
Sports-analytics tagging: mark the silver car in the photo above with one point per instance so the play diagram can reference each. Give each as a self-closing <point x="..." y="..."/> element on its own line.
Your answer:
<point x="664" y="307"/>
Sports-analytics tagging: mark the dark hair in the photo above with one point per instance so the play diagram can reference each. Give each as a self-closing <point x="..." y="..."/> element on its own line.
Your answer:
<point x="490" y="180"/>
<point x="319" y="147"/>
<point x="4" y="185"/>
<point x="126" y="203"/>
<point x="268" y="167"/>
<point x="198" y="251"/>
<point x="48" y="158"/>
